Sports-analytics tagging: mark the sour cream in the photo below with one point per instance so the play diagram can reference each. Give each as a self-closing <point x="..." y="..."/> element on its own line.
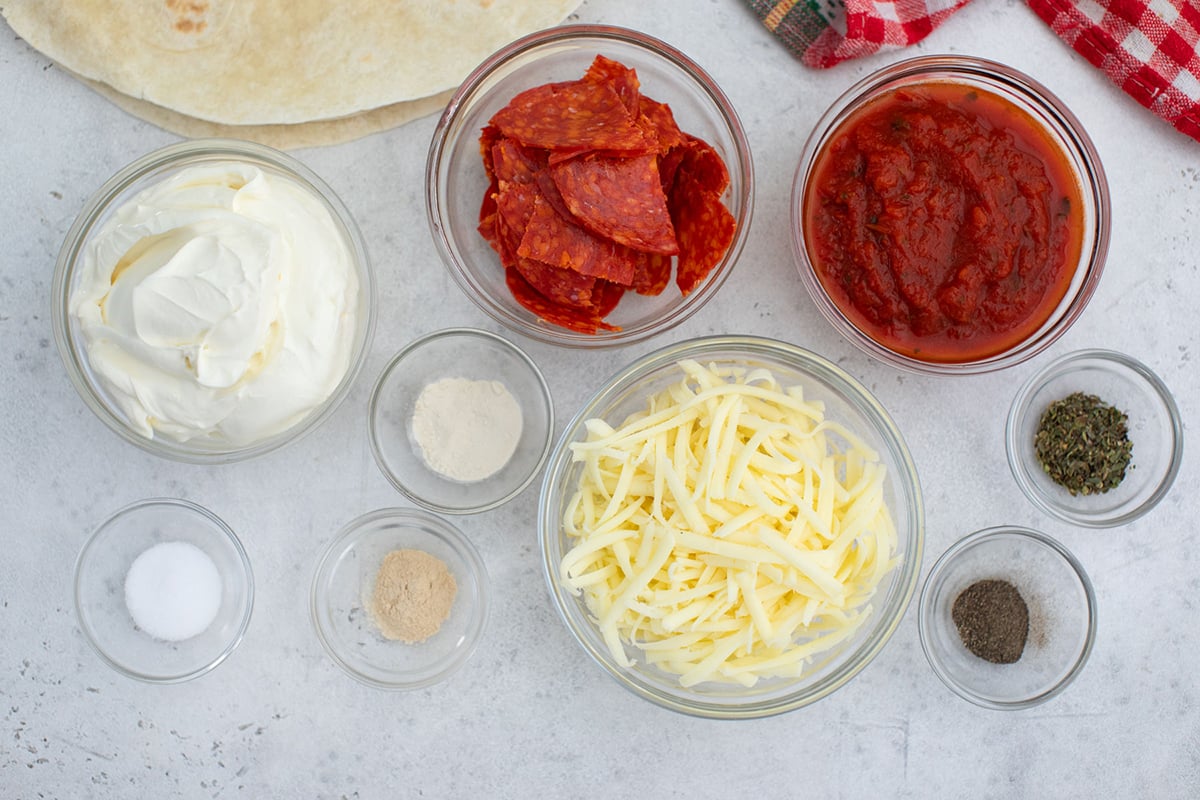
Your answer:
<point x="219" y="304"/>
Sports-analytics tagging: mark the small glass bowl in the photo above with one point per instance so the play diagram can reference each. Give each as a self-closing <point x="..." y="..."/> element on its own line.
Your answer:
<point x="100" y="573"/>
<point x="846" y="402"/>
<point x="456" y="182"/>
<point x="1060" y="127"/>
<point x="458" y="353"/>
<point x="345" y="579"/>
<point x="1155" y="429"/>
<point x="1062" y="617"/>
<point x="118" y="191"/>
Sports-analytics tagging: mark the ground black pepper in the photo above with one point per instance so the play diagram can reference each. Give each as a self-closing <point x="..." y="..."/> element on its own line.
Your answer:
<point x="992" y="620"/>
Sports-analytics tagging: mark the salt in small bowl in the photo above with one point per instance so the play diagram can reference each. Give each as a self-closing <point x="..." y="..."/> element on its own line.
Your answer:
<point x="100" y="604"/>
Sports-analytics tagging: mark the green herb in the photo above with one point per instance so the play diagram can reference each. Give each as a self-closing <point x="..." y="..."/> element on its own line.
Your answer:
<point x="1083" y="444"/>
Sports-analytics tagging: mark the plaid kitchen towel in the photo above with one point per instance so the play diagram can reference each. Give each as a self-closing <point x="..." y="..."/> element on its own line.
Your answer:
<point x="1150" y="48"/>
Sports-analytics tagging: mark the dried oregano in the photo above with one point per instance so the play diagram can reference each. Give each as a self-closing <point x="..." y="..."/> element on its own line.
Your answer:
<point x="1083" y="444"/>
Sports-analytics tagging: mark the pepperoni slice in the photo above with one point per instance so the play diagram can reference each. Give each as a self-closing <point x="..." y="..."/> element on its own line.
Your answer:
<point x="704" y="228"/>
<point x="668" y="165"/>
<point x="619" y="199"/>
<point x="576" y="319"/>
<point x="576" y="115"/>
<point x="620" y="77"/>
<point x="545" y="182"/>
<point x="487" y="139"/>
<point x="514" y="207"/>
<point x="488" y="213"/>
<point x="593" y="191"/>
<point x="651" y="274"/>
<point x="512" y="162"/>
<point x="657" y="117"/>
<point x="705" y="165"/>
<point x="606" y="296"/>
<point x="556" y="284"/>
<point x="552" y="239"/>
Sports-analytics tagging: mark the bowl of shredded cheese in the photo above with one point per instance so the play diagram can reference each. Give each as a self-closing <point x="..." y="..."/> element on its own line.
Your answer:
<point x="732" y="527"/>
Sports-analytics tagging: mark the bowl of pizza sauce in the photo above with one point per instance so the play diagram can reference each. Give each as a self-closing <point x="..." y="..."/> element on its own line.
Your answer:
<point x="950" y="215"/>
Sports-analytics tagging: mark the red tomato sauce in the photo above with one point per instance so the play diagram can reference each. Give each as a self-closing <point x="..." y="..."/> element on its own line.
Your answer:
<point x="943" y="222"/>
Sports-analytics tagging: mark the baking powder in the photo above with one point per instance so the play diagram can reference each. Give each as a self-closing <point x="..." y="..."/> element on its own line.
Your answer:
<point x="466" y="430"/>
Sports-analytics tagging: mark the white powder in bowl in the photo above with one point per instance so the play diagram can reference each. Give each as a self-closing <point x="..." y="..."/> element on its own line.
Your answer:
<point x="173" y="591"/>
<point x="466" y="430"/>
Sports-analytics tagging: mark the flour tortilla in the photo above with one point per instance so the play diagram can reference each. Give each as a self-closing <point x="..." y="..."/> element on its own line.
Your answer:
<point x="273" y="62"/>
<point x="282" y="137"/>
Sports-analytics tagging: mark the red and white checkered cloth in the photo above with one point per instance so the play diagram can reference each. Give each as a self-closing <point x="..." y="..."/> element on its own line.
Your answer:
<point x="1150" y="48"/>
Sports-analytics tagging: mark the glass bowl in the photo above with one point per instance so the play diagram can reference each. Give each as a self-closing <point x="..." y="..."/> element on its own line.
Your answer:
<point x="1154" y="429"/>
<point x="1062" y="617"/>
<point x="345" y="580"/>
<point x="238" y="439"/>
<point x="456" y="181"/>
<point x="476" y="480"/>
<point x="847" y="403"/>
<point x="100" y="600"/>
<point x="901" y="347"/>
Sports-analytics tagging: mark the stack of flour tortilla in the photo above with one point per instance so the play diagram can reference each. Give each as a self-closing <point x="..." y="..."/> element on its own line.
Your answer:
<point x="287" y="73"/>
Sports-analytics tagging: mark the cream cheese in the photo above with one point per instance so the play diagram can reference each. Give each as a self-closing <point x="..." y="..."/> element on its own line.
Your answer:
<point x="219" y="304"/>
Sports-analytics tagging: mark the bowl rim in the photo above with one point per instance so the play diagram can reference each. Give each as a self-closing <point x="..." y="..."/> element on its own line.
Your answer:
<point x="1063" y="126"/>
<point x="447" y="131"/>
<point x="907" y="485"/>
<point x="216" y="524"/>
<point x="925" y="613"/>
<point x="412" y="347"/>
<point x="102" y="200"/>
<point x="1109" y="361"/>
<point x="431" y="524"/>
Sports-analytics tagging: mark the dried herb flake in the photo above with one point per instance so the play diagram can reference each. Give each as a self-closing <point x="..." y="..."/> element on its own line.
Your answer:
<point x="1083" y="444"/>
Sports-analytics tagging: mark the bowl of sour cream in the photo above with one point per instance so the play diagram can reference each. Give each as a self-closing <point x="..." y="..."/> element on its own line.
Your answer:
<point x="213" y="301"/>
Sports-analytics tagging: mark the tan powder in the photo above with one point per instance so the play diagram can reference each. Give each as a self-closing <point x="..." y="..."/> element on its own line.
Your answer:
<point x="414" y="592"/>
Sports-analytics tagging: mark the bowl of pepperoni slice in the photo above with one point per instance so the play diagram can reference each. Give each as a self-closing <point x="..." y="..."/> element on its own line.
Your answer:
<point x="589" y="186"/>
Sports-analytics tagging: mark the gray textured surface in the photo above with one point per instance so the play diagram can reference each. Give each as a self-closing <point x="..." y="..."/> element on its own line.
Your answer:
<point x="528" y="715"/>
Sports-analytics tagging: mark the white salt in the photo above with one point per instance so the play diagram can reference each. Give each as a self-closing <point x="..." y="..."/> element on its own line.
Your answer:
<point x="173" y="591"/>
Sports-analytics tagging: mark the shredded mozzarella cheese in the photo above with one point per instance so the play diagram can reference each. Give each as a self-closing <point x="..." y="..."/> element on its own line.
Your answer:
<point x="728" y="532"/>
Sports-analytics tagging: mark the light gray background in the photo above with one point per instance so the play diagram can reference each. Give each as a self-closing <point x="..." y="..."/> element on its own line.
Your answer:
<point x="529" y="715"/>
